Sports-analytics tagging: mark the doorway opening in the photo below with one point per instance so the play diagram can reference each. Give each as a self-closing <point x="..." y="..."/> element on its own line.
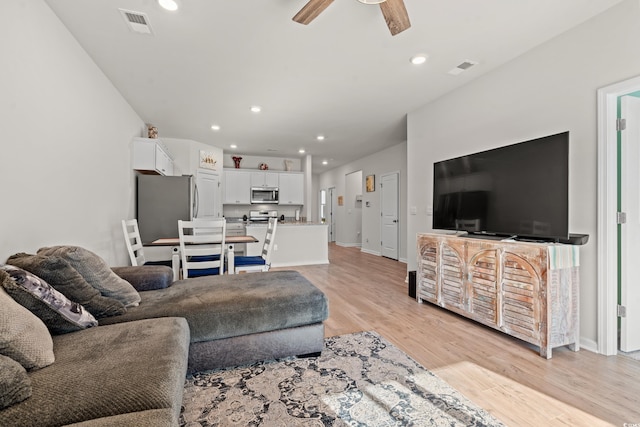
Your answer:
<point x="611" y="236"/>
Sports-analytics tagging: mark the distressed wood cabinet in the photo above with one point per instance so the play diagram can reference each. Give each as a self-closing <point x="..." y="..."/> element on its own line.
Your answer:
<point x="527" y="290"/>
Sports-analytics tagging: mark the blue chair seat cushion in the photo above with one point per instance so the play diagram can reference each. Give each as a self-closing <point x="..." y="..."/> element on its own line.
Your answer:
<point x="199" y="272"/>
<point x="202" y="258"/>
<point x="248" y="260"/>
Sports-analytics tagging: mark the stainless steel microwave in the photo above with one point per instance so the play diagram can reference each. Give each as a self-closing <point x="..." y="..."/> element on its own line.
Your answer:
<point x="264" y="195"/>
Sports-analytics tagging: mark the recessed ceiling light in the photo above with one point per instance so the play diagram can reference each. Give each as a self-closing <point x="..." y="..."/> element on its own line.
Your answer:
<point x="301" y="151"/>
<point x="215" y="127"/>
<point x="324" y="162"/>
<point x="256" y="109"/>
<point x="168" y="4"/>
<point x="320" y="137"/>
<point x="233" y="146"/>
<point x="419" y="59"/>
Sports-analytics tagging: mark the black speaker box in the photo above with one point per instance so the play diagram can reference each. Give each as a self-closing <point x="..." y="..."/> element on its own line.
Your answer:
<point x="412" y="284"/>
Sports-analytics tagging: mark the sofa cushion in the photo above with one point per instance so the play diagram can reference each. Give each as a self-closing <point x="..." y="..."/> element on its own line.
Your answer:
<point x="64" y="278"/>
<point x="15" y="385"/>
<point x="146" y="277"/>
<point x="232" y="305"/>
<point x="56" y="311"/>
<point x="96" y="272"/>
<point x="148" y="418"/>
<point x="23" y="336"/>
<point x="133" y="367"/>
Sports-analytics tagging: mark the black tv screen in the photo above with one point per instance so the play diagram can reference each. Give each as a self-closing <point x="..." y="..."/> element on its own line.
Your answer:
<point x="519" y="190"/>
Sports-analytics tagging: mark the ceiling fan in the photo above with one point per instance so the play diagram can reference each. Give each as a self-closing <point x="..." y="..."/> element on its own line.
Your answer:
<point x="394" y="11"/>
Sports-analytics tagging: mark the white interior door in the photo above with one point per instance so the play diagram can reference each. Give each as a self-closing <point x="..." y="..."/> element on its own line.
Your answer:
<point x="332" y="217"/>
<point x="630" y="231"/>
<point x="389" y="213"/>
<point x="207" y="195"/>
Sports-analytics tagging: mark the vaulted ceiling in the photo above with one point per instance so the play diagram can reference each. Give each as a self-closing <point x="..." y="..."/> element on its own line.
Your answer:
<point x="343" y="75"/>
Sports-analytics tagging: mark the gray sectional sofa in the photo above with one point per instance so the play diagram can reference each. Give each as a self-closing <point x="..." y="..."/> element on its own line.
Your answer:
<point x="130" y="370"/>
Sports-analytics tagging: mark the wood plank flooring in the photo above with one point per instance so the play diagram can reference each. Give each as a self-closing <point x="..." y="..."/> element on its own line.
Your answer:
<point x="504" y="375"/>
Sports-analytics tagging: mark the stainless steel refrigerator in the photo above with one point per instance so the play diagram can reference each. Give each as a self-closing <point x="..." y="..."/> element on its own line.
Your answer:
<point x="160" y="202"/>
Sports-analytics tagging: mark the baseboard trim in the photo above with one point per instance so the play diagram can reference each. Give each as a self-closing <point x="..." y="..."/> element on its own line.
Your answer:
<point x="349" y="245"/>
<point x="370" y="252"/>
<point x="590" y="345"/>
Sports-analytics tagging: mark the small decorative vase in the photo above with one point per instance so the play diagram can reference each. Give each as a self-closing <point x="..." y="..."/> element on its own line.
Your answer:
<point x="288" y="164"/>
<point x="263" y="167"/>
<point x="236" y="161"/>
<point x="152" y="132"/>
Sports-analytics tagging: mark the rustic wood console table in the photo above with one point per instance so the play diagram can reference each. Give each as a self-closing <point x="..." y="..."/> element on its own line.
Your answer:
<point x="527" y="290"/>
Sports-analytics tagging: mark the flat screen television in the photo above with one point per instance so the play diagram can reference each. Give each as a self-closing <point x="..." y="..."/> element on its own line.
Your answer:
<point x="520" y="190"/>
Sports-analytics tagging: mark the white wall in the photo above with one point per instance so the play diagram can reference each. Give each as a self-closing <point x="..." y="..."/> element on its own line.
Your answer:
<point x="66" y="137"/>
<point x="392" y="159"/>
<point x="548" y="90"/>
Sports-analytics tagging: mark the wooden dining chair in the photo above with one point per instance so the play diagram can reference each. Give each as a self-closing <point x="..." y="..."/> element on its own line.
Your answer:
<point x="261" y="262"/>
<point x="202" y="247"/>
<point x="134" y="244"/>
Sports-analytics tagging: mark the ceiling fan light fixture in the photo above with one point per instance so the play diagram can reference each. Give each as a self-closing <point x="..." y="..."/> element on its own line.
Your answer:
<point x="372" y="1"/>
<point x="170" y="5"/>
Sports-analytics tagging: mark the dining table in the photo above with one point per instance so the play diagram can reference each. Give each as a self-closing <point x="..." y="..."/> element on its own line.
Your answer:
<point x="229" y="242"/>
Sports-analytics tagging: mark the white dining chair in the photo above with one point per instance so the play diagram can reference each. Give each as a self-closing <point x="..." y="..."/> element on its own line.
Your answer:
<point x="134" y="244"/>
<point x="263" y="261"/>
<point x="202" y="247"/>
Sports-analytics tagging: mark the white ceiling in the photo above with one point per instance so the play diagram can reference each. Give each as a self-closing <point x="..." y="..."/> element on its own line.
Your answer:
<point x="343" y="75"/>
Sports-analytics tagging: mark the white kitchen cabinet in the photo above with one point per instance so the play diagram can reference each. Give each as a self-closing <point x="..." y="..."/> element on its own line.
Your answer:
<point x="208" y="203"/>
<point x="237" y="187"/>
<point x="264" y="179"/>
<point x="150" y="156"/>
<point x="291" y="188"/>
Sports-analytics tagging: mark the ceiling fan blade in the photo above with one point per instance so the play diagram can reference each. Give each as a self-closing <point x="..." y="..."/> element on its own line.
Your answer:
<point x="396" y="16"/>
<point x="311" y="10"/>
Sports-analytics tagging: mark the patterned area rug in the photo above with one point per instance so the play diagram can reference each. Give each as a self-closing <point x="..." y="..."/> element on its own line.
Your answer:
<point x="360" y="380"/>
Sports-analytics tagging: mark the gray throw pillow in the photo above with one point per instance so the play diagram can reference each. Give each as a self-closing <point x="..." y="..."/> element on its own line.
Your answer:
<point x="23" y="336"/>
<point x="54" y="309"/>
<point x="96" y="272"/>
<point x="15" y="384"/>
<point x="64" y="278"/>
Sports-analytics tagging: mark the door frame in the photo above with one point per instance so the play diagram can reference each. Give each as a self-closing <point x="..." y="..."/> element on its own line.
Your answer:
<point x="397" y="202"/>
<point x="331" y="197"/>
<point x="607" y="233"/>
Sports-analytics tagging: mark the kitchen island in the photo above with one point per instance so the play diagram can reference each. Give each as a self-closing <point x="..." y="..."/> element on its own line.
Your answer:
<point x="296" y="243"/>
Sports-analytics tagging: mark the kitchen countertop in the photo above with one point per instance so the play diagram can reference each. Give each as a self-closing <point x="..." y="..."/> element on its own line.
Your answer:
<point x="286" y="223"/>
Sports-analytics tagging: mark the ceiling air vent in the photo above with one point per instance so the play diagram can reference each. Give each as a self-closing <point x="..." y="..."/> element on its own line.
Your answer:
<point x="462" y="67"/>
<point x="137" y="22"/>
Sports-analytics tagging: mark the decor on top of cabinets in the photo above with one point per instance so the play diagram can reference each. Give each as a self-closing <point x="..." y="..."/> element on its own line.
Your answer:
<point x="370" y="183"/>
<point x="207" y="160"/>
<point x="236" y="161"/>
<point x="152" y="131"/>
<point x="263" y="167"/>
<point x="288" y="164"/>
<point x="340" y="200"/>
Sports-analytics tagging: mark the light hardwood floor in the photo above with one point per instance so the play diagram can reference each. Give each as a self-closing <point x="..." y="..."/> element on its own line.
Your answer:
<point x="504" y="375"/>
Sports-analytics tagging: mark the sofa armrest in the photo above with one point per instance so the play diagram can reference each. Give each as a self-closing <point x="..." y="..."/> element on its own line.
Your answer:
<point x="146" y="277"/>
